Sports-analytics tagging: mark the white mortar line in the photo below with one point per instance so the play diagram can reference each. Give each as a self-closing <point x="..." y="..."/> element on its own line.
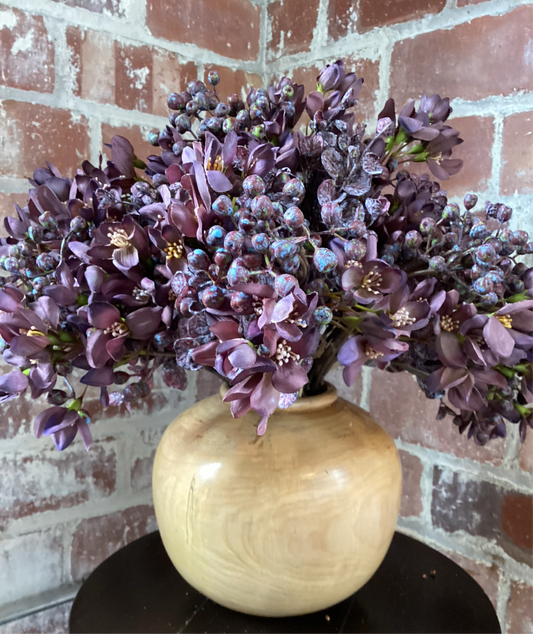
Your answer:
<point x="320" y="32"/>
<point x="504" y="593"/>
<point x="38" y="603"/>
<point x="497" y="149"/>
<point x="366" y="380"/>
<point x="479" y="472"/>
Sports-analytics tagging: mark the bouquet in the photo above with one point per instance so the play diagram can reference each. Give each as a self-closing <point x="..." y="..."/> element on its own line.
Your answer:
<point x="266" y="250"/>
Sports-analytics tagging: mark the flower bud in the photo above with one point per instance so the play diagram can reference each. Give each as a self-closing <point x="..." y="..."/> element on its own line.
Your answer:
<point x="470" y="201"/>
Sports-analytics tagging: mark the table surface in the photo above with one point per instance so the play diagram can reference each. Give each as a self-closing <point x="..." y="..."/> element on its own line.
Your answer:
<point x="416" y="589"/>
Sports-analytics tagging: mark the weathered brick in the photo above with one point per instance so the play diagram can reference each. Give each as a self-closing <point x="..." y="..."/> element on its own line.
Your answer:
<point x="141" y="470"/>
<point x="411" y="489"/>
<point x="233" y="81"/>
<point x="207" y="384"/>
<point x="30" y="564"/>
<point x="26" y="51"/>
<point x="477" y="507"/>
<point x="365" y="68"/>
<point x="456" y="61"/>
<point x="133" y="77"/>
<point x="51" y="621"/>
<point x="96" y="538"/>
<point x="50" y="480"/>
<point x="18" y="414"/>
<point x="487" y="576"/>
<point x="291" y="26"/>
<point x="112" y="7"/>
<point x="517" y="167"/>
<point x="342" y="18"/>
<point x="476" y="152"/>
<point x="517" y="519"/>
<point x="226" y="27"/>
<point x="520" y="608"/>
<point x="31" y="134"/>
<point x="169" y="75"/>
<point x="464" y="3"/>
<point x="401" y="407"/>
<point x="374" y="14"/>
<point x="136" y="135"/>
<point x="90" y="80"/>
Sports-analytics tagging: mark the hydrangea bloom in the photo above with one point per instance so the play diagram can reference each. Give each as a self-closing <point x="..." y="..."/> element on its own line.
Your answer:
<point x="266" y="252"/>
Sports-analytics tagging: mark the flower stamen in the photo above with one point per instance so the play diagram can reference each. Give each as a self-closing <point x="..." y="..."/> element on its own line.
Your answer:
<point x="284" y="353"/>
<point x="371" y="353"/>
<point x="174" y="250"/>
<point x="505" y="320"/>
<point x="449" y="324"/>
<point x="401" y="318"/>
<point x="372" y="279"/>
<point x="118" y="329"/>
<point x="118" y="238"/>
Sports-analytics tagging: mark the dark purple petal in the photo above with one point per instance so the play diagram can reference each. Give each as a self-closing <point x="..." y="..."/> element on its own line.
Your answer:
<point x="449" y="350"/>
<point x="218" y="181"/>
<point x="60" y="294"/>
<point x="99" y="377"/>
<point x="289" y="377"/>
<point x="103" y="315"/>
<point x="243" y="356"/>
<point x="122" y="155"/>
<point x="498" y="338"/>
<point x="126" y="257"/>
<point x="225" y="330"/>
<point x="14" y="382"/>
<point x="25" y="346"/>
<point x="205" y="354"/>
<point x="54" y="413"/>
<point x="264" y="399"/>
<point x="144" y="323"/>
<point x="96" y="350"/>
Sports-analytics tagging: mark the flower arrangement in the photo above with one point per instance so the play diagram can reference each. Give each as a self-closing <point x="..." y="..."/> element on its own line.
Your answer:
<point x="266" y="253"/>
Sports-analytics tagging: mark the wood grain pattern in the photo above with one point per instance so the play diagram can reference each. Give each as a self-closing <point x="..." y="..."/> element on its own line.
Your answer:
<point x="279" y="525"/>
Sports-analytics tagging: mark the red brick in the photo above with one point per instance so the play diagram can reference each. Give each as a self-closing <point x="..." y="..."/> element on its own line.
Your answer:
<point x="90" y="80"/>
<point x="226" y="27"/>
<point x="169" y="75"/>
<point x="96" y="538"/>
<point x="374" y="14"/>
<point x="291" y="26"/>
<point x="50" y="480"/>
<point x="207" y="384"/>
<point x="136" y="136"/>
<point x="517" y="519"/>
<point x="476" y="152"/>
<point x="486" y="56"/>
<point x="526" y="454"/>
<point x="133" y="77"/>
<point x="487" y="576"/>
<point x="26" y="51"/>
<point x="520" y="608"/>
<point x="411" y="489"/>
<point x="401" y="407"/>
<point x="517" y="167"/>
<point x="51" y="621"/>
<point x="477" y="507"/>
<point x="233" y="81"/>
<point x="31" y="564"/>
<point x="158" y="401"/>
<point x="32" y="134"/>
<point x="365" y="68"/>
<point x="113" y="7"/>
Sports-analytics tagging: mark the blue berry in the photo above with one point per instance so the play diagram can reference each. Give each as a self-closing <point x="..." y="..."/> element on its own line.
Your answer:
<point x="324" y="260"/>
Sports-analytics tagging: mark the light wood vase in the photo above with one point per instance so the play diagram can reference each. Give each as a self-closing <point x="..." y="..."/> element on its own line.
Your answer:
<point x="284" y="524"/>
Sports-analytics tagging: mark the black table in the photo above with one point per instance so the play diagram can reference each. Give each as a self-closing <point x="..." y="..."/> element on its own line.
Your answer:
<point x="416" y="589"/>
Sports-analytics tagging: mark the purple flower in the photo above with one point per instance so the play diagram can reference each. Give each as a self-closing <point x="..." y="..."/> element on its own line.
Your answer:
<point x="371" y="280"/>
<point x="63" y="424"/>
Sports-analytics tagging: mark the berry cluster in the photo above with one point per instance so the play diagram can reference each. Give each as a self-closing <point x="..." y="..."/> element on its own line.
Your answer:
<point x="266" y="253"/>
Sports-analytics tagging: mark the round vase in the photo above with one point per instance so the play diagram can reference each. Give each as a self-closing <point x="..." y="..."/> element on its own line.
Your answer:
<point x="283" y="524"/>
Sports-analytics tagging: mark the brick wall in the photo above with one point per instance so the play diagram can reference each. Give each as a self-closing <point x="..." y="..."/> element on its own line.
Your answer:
<point x="74" y="72"/>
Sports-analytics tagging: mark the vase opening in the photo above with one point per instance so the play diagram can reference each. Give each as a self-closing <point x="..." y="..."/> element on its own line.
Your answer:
<point x="303" y="404"/>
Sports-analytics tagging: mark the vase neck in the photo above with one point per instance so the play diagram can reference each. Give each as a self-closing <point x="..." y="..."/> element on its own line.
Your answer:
<point x="306" y="403"/>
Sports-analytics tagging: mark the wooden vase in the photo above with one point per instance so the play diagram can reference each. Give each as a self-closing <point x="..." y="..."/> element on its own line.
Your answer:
<point x="279" y="525"/>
